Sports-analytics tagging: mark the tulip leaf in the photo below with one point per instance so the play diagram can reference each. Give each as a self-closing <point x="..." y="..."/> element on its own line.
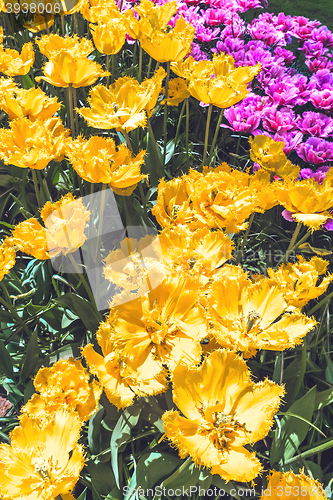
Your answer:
<point x="122" y="433"/>
<point x="292" y="431"/>
<point x="329" y="369"/>
<point x="27" y="82"/>
<point x="229" y="487"/>
<point x="82" y="308"/>
<point x="323" y="399"/>
<point x="6" y="363"/>
<point x="101" y="478"/>
<point x="307" y="248"/>
<point x="149" y="470"/>
<point x="94" y="431"/>
<point x="31" y="357"/>
<point x="186" y="478"/>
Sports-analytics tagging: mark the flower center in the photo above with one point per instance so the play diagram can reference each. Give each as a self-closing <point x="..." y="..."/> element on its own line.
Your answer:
<point x="251" y="319"/>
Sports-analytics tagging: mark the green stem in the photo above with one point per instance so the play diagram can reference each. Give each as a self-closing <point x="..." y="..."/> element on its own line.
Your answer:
<point x="165" y="123"/>
<point x="210" y="108"/>
<point x="76" y="26"/>
<point x="187" y="125"/>
<point x="320" y="304"/>
<point x="62" y="25"/>
<point x="46" y="24"/>
<point x="128" y="141"/>
<point x="70" y="106"/>
<point x="140" y="64"/>
<point x="107" y="68"/>
<point x="144" y="205"/>
<point x="113" y="67"/>
<point x="149" y="66"/>
<point x="240" y="251"/>
<point x="100" y="232"/>
<point x="179" y="121"/>
<point x="292" y="242"/>
<point x="215" y="135"/>
<point x="44" y="187"/>
<point x="154" y="144"/>
<point x="75" y="114"/>
<point x="35" y="181"/>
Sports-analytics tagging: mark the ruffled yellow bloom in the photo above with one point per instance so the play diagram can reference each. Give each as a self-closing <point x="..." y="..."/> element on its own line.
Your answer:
<point x="197" y="253"/>
<point x="44" y="459"/>
<point x="247" y="316"/>
<point x="99" y="10"/>
<point x="286" y="485"/>
<point x="33" y="144"/>
<point x="65" y="223"/>
<point x="172" y="45"/>
<point x="66" y="68"/>
<point x="307" y="201"/>
<point x="97" y="160"/>
<point x="270" y="156"/>
<point x="38" y="23"/>
<point x="33" y="103"/>
<point x="177" y="92"/>
<point x="158" y="330"/>
<point x="216" y="82"/>
<point x="12" y="63"/>
<point x="223" y="411"/>
<point x="218" y="198"/>
<point x="152" y="18"/>
<point x="122" y="106"/>
<point x="299" y="281"/>
<point x="135" y="267"/>
<point x="109" y="36"/>
<point x="7" y="257"/>
<point x="52" y="45"/>
<point x="65" y="383"/>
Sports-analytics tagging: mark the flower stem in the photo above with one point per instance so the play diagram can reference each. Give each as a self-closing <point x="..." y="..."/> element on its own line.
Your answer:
<point x="165" y="123"/>
<point x="46" y="24"/>
<point x="62" y="25"/>
<point x="128" y="141"/>
<point x="292" y="243"/>
<point x="140" y="64"/>
<point x="215" y="135"/>
<point x="35" y="181"/>
<point x="113" y="67"/>
<point x="240" y="251"/>
<point x="70" y="106"/>
<point x="160" y="170"/>
<point x="86" y="286"/>
<point x="207" y="133"/>
<point x="75" y="114"/>
<point x="187" y="125"/>
<point x="179" y="121"/>
<point x="107" y="64"/>
<point x="149" y="66"/>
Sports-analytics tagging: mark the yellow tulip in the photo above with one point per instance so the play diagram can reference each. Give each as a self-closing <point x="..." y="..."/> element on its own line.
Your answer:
<point x="109" y="37"/>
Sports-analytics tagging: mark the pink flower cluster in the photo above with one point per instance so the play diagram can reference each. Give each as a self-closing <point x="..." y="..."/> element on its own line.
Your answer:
<point x="291" y="99"/>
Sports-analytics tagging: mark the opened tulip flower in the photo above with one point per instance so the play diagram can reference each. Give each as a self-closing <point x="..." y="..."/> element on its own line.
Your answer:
<point x="284" y="485"/>
<point x="100" y="10"/>
<point x="12" y="63"/>
<point x="65" y="383"/>
<point x="247" y="316"/>
<point x="216" y="82"/>
<point x="65" y="223"/>
<point x="44" y="459"/>
<point x="222" y="412"/>
<point x="171" y="45"/>
<point x="153" y="17"/>
<point x="38" y="23"/>
<point x="177" y="92"/>
<point x="157" y="330"/>
<point x="270" y="156"/>
<point x="67" y="69"/>
<point x="124" y="104"/>
<point x="33" y="103"/>
<point x="51" y="45"/>
<point x="98" y="160"/>
<point x="299" y="281"/>
<point x="308" y="202"/>
<point x="33" y="144"/>
<point x="109" y="36"/>
<point x="7" y="257"/>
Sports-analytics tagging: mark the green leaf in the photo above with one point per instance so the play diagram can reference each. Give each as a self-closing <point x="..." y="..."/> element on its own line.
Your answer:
<point x="292" y="431"/>
<point x="82" y="308"/>
<point x="101" y="477"/>
<point x="94" y="431"/>
<point x="185" y="477"/>
<point x="323" y="398"/>
<point x="122" y="433"/>
<point x="31" y="358"/>
<point x="6" y="364"/>
<point x="229" y="487"/>
<point x="293" y="377"/>
<point x="149" y="470"/>
<point x="329" y="369"/>
<point x="27" y="82"/>
<point x="152" y="413"/>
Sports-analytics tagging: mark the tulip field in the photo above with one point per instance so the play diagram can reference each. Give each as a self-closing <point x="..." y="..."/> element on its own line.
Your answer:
<point x="166" y="219"/>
